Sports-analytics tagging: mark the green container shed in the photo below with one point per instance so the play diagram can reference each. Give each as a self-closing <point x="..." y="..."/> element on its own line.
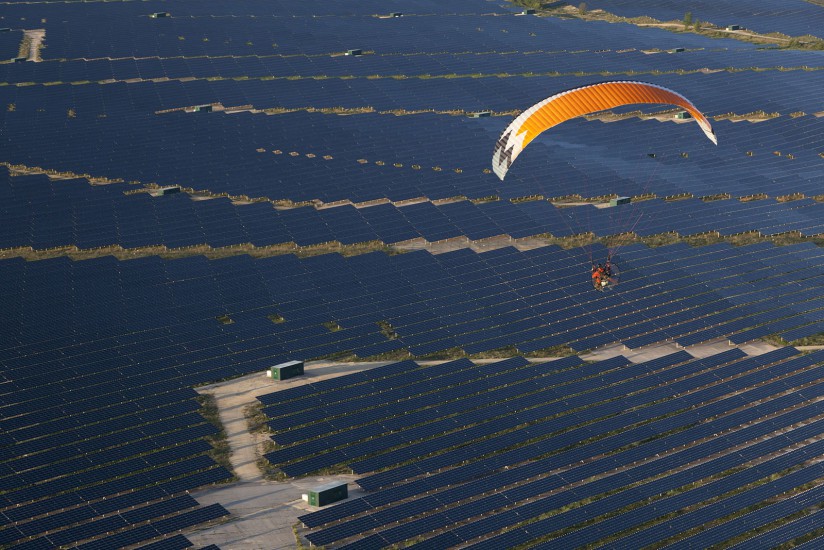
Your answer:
<point x="619" y="200"/>
<point x="329" y="493"/>
<point x="287" y="370"/>
<point x="171" y="190"/>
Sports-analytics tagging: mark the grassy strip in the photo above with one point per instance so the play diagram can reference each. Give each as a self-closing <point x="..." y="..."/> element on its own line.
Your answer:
<point x="258" y="423"/>
<point x="267" y="469"/>
<point x="121" y="253"/>
<point x="629" y="73"/>
<point x="298" y="539"/>
<point x="221" y="452"/>
<point x="738" y="513"/>
<point x="687" y="25"/>
<point x="801" y="540"/>
<point x="664" y="518"/>
<point x="22" y="169"/>
<point x="25" y="46"/>
<point x="814" y="340"/>
<point x="575" y="241"/>
<point x="768" y="527"/>
<point x="256" y="420"/>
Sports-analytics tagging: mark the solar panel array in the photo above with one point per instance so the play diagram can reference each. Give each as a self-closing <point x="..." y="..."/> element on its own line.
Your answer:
<point x="110" y="445"/>
<point x="478" y="302"/>
<point x="100" y="435"/>
<point x="586" y="158"/>
<point x="564" y="453"/>
<point x="259" y="28"/>
<point x="227" y="65"/>
<point x="222" y="154"/>
<point x="10" y="43"/>
<point x="72" y="213"/>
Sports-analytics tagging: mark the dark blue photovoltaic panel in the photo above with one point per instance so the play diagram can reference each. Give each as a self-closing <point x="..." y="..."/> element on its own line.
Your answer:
<point x="783" y="533"/>
<point x="763" y="516"/>
<point x="137" y="298"/>
<point x="463" y="498"/>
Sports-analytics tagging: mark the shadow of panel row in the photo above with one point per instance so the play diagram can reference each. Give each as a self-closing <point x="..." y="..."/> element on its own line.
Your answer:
<point x="610" y="450"/>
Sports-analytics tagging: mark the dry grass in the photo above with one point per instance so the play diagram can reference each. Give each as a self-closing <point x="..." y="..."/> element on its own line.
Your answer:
<point x="708" y="29"/>
<point x="120" y="253"/>
<point x="221" y="451"/>
<point x="703" y="239"/>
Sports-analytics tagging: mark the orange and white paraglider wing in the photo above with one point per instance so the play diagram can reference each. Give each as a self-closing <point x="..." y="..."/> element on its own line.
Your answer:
<point x="580" y="101"/>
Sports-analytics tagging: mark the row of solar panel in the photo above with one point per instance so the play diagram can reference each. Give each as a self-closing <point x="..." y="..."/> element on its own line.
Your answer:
<point x="287" y="325"/>
<point x="277" y="8"/>
<point x="761" y="495"/>
<point x="159" y="528"/>
<point x="535" y="480"/>
<point x="633" y="455"/>
<point x="551" y="170"/>
<point x="767" y="90"/>
<point x="429" y="318"/>
<point x="443" y="478"/>
<point x="21" y="492"/>
<point x="30" y="531"/>
<point x="44" y="215"/>
<point x="263" y="33"/>
<point x="375" y="443"/>
<point x="224" y="65"/>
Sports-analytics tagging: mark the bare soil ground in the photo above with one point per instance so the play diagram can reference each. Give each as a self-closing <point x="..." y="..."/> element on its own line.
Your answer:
<point x="35" y="40"/>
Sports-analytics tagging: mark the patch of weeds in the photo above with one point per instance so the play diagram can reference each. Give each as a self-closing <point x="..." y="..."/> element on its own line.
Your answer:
<point x="267" y="469"/>
<point x="256" y="420"/>
<point x="387" y="330"/>
<point x="552" y="351"/>
<point x="333" y="326"/>
<point x="221" y="452"/>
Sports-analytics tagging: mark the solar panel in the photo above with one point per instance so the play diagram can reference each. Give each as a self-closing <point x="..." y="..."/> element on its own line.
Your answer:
<point x="229" y="276"/>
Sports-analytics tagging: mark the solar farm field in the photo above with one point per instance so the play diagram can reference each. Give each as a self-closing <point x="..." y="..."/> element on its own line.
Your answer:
<point x="193" y="193"/>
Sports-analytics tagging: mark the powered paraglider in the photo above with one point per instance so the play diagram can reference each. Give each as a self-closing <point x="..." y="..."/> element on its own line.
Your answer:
<point x="580" y="101"/>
